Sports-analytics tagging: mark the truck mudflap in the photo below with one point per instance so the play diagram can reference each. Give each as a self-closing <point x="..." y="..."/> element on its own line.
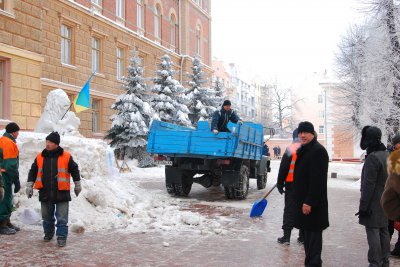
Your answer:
<point x="173" y="175"/>
<point x="230" y="178"/>
<point x="263" y="165"/>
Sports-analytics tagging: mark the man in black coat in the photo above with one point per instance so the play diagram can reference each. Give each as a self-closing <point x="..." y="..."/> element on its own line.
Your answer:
<point x="310" y="192"/>
<point x="370" y="212"/>
<point x="50" y="174"/>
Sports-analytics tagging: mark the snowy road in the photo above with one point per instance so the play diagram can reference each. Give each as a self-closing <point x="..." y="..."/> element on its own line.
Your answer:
<point x="240" y="240"/>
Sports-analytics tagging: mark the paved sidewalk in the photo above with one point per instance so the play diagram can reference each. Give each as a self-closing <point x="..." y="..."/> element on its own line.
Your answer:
<point x="249" y="242"/>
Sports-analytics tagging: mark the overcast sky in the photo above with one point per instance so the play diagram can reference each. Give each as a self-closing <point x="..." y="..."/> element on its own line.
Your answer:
<point x="281" y="38"/>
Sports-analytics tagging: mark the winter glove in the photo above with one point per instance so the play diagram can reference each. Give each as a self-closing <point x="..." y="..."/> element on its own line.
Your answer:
<point x="1" y="193"/>
<point x="29" y="189"/>
<point x="215" y="131"/>
<point x="78" y="188"/>
<point x="280" y="188"/>
<point x="17" y="186"/>
<point x="363" y="213"/>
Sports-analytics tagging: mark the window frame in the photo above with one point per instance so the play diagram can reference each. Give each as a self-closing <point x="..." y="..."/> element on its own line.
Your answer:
<point x="198" y="40"/>
<point x="173" y="31"/>
<point x="140" y="17"/>
<point x="120" y="63"/>
<point x="62" y="44"/>
<point x="157" y="22"/>
<point x="5" y="74"/>
<point x="100" y="53"/>
<point x="321" y="127"/>
<point x="98" y="115"/>
<point x="320" y="99"/>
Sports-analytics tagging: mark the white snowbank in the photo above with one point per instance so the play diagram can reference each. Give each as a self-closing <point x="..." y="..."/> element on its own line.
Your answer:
<point x="108" y="201"/>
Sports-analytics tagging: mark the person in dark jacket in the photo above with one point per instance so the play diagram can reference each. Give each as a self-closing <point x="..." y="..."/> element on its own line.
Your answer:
<point x="310" y="192"/>
<point x="9" y="161"/>
<point x="50" y="174"/>
<point x="285" y="186"/>
<point x="221" y="118"/>
<point x="370" y="212"/>
<point x="393" y="176"/>
<point x="265" y="149"/>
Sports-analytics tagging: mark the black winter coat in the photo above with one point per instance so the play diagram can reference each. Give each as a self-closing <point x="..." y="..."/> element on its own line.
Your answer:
<point x="50" y="191"/>
<point x="310" y="186"/>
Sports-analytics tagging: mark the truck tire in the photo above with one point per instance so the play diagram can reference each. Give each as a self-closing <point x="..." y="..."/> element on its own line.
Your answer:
<point x="262" y="180"/>
<point x="242" y="189"/>
<point x="180" y="189"/>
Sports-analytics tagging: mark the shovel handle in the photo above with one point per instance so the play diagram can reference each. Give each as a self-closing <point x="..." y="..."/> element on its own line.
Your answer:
<point x="269" y="192"/>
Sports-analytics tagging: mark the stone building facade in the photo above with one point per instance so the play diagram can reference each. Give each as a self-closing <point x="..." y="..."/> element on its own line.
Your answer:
<point x="49" y="44"/>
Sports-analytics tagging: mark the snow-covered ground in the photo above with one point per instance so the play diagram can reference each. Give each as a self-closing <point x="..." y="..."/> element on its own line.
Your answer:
<point x="124" y="201"/>
<point x="109" y="200"/>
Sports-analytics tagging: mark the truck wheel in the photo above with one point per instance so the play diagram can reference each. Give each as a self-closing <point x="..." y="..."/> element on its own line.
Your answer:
<point x="242" y="189"/>
<point x="180" y="189"/>
<point x="262" y="180"/>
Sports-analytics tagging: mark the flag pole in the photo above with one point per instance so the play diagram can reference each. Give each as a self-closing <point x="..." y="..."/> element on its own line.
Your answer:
<point x="94" y="72"/>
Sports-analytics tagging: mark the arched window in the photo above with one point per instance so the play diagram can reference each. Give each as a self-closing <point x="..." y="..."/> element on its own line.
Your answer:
<point x="157" y="22"/>
<point x="172" y="22"/>
<point x="198" y="40"/>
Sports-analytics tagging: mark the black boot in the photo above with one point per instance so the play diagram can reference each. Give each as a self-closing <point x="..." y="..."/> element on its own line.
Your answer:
<point x="61" y="241"/>
<point x="285" y="239"/>
<point x="5" y="230"/>
<point x="12" y="226"/>
<point x="395" y="252"/>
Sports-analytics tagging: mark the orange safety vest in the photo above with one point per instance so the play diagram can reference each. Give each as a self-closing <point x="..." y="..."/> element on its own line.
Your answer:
<point x="63" y="176"/>
<point x="293" y="151"/>
<point x="9" y="148"/>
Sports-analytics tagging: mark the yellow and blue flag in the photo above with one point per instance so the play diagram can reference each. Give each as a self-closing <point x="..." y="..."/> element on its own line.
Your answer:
<point x="82" y="100"/>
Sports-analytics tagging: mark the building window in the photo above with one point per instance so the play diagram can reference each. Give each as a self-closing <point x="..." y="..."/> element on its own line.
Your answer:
<point x="157" y="22"/>
<point x="140" y="14"/>
<point x="321" y="129"/>
<point x="320" y="98"/>
<point x="95" y="115"/>
<point x="321" y="114"/>
<point x="97" y="5"/>
<point x="96" y="53"/>
<point x="198" y="2"/>
<point x="66" y="44"/>
<point x="120" y="8"/>
<point x="198" y="40"/>
<point x="2" y="7"/>
<point x="173" y="30"/>
<point x="120" y="63"/>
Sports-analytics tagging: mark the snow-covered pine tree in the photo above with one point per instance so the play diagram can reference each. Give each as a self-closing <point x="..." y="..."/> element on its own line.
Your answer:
<point x="219" y="93"/>
<point x="169" y="100"/>
<point x="201" y="105"/>
<point x="130" y="124"/>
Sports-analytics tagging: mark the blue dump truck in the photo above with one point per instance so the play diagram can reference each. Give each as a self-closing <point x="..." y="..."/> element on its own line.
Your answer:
<point x="199" y="156"/>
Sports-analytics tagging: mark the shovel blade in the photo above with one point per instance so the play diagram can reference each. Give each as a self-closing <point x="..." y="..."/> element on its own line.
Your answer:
<point x="258" y="208"/>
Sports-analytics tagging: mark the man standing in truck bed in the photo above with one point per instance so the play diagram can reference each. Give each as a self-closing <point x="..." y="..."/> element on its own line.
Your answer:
<point x="221" y="118"/>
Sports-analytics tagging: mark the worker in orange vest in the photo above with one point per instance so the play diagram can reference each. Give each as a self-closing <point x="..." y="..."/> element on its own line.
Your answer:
<point x="9" y="163"/>
<point x="51" y="174"/>
<point x="284" y="185"/>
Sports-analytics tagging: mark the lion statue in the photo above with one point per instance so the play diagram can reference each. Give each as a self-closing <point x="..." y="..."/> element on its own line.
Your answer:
<point x="52" y="117"/>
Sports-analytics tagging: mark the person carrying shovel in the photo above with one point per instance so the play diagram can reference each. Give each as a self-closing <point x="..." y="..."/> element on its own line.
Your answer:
<point x="285" y="185"/>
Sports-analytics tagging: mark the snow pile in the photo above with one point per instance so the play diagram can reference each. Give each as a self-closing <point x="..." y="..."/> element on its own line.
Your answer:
<point x="108" y="200"/>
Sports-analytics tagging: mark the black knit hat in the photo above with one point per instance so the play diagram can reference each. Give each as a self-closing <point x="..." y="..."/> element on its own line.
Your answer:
<point x="370" y="136"/>
<point x="54" y="137"/>
<point x="12" y="127"/>
<point x="396" y="139"/>
<point x="306" y="127"/>
<point x="227" y="103"/>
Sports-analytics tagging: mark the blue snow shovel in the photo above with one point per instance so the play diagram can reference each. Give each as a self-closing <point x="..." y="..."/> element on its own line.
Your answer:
<point x="259" y="206"/>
